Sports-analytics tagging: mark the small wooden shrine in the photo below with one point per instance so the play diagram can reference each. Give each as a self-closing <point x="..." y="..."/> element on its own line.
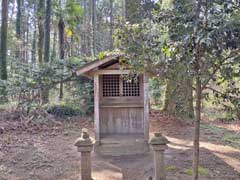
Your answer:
<point x="121" y="110"/>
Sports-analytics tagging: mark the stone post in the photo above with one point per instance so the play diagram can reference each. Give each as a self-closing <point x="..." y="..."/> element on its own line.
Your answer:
<point x="159" y="145"/>
<point x="85" y="146"/>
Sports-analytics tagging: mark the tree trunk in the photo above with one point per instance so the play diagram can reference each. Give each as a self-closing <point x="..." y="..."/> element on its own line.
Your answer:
<point x="84" y="38"/>
<point x="124" y="10"/>
<point x="26" y="40"/>
<point x="238" y="113"/>
<point x="61" y="49"/>
<point x="179" y="92"/>
<point x="133" y="13"/>
<point x="54" y="53"/>
<point x="18" y="27"/>
<point x="33" y="59"/>
<point x="89" y="28"/>
<point x="93" y="9"/>
<point x="179" y="97"/>
<point x="197" y="129"/>
<point x="45" y="91"/>
<point x="47" y="31"/>
<point x="111" y="24"/>
<point x="41" y="9"/>
<point x="197" y="59"/>
<point x="4" y="33"/>
<point x="3" y="48"/>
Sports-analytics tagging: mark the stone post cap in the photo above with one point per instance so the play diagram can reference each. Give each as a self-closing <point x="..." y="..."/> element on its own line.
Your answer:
<point x="158" y="139"/>
<point x="84" y="140"/>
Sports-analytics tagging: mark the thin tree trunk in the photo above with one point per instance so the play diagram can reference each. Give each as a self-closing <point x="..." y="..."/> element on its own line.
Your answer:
<point x="18" y="26"/>
<point x="198" y="94"/>
<point x="124" y="10"/>
<point x="4" y="32"/>
<point x="3" y="49"/>
<point x="34" y="45"/>
<point x="93" y="27"/>
<point x="61" y="49"/>
<point x="41" y="9"/>
<point x="53" y="55"/>
<point x="33" y="51"/>
<point x="84" y="44"/>
<point x="45" y="92"/>
<point x="72" y="46"/>
<point x="26" y="40"/>
<point x="47" y="31"/>
<point x="89" y="29"/>
<point x="111" y="24"/>
<point x="197" y="129"/>
<point x="61" y="91"/>
<point x="33" y="59"/>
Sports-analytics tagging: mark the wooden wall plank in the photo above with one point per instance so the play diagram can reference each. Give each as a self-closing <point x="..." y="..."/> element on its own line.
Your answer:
<point x="123" y="120"/>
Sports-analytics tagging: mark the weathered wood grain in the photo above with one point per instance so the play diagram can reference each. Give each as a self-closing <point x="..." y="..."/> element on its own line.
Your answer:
<point x="96" y="108"/>
<point x="122" y="120"/>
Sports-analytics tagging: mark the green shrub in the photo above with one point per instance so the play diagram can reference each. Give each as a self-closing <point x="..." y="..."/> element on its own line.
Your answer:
<point x="234" y="139"/>
<point x="156" y="89"/>
<point x="63" y="110"/>
<point x="211" y="127"/>
<point x="171" y="168"/>
<point x="202" y="171"/>
<point x="81" y="96"/>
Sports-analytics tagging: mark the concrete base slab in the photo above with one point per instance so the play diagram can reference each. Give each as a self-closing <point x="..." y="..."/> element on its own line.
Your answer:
<point x="117" y="145"/>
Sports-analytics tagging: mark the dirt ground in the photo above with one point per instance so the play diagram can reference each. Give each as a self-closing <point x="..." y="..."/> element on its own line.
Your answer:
<point x="47" y="153"/>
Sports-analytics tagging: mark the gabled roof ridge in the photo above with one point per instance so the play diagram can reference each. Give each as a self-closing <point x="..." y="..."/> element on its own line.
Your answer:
<point x="96" y="63"/>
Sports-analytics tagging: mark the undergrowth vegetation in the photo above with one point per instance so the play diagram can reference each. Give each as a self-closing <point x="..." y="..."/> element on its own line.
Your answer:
<point x="202" y="171"/>
<point x="227" y="137"/>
